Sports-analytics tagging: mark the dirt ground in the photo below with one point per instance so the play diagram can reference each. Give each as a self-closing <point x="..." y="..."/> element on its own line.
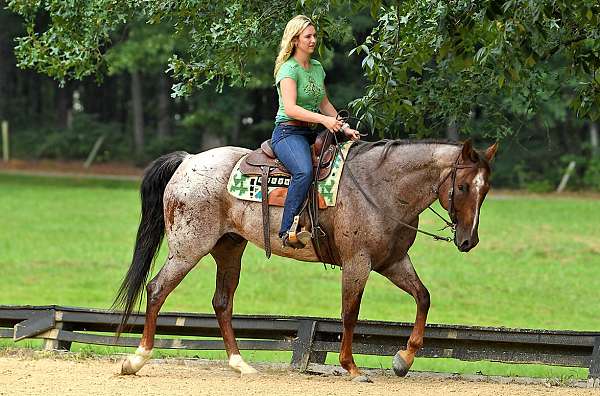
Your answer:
<point x="35" y="374"/>
<point x="50" y="167"/>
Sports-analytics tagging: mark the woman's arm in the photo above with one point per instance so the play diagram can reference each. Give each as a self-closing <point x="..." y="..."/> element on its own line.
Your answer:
<point x="326" y="107"/>
<point x="292" y="110"/>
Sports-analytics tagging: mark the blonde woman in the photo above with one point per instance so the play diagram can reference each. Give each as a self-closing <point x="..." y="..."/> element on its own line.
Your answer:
<point x="303" y="104"/>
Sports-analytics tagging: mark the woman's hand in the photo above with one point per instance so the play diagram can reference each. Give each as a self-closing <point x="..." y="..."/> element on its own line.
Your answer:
<point x="332" y="123"/>
<point x="352" y="134"/>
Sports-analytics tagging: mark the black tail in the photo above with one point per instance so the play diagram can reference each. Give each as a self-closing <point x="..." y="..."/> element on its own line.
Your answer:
<point x="150" y="232"/>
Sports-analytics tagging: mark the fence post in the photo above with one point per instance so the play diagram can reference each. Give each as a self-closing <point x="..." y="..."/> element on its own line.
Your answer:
<point x="594" y="375"/>
<point x="94" y="152"/>
<point x="566" y="176"/>
<point x="54" y="343"/>
<point x="303" y="353"/>
<point x="5" y="143"/>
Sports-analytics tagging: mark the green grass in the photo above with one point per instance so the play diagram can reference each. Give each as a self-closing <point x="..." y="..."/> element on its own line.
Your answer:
<point x="69" y="242"/>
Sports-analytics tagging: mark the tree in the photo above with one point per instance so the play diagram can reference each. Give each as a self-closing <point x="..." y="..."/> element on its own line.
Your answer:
<point x="146" y="49"/>
<point x="429" y="63"/>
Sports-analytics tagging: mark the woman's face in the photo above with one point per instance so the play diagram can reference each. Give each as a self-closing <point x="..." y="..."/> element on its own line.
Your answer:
<point x="307" y="40"/>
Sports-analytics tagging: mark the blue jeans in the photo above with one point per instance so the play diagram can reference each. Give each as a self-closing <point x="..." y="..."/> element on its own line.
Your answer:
<point x="291" y="145"/>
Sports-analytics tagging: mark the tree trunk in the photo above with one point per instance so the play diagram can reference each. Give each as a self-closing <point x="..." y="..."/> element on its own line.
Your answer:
<point x="594" y="138"/>
<point x="138" y="113"/>
<point x="4" y="70"/>
<point x="164" y="119"/>
<point x="235" y="133"/>
<point x="64" y="106"/>
<point x="452" y="132"/>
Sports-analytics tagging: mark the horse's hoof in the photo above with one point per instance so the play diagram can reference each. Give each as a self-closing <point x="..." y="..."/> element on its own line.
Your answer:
<point x="237" y="363"/>
<point x="249" y="372"/>
<point x="362" y="378"/>
<point x="400" y="366"/>
<point x="126" y="368"/>
<point x="133" y="363"/>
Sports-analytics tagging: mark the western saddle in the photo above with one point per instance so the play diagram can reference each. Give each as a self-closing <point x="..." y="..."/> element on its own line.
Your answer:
<point x="263" y="162"/>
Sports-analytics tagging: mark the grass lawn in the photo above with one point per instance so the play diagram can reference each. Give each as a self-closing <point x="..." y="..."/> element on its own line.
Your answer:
<point x="69" y="242"/>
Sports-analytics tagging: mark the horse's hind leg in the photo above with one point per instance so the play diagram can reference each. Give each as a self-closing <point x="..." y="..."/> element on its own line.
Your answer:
<point x="228" y="256"/>
<point x="403" y="275"/>
<point x="170" y="275"/>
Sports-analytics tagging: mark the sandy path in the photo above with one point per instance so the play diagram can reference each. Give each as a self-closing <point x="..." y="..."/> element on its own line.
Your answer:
<point x="52" y="375"/>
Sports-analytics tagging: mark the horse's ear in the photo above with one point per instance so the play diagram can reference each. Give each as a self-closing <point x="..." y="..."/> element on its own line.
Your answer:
<point x="467" y="151"/>
<point x="491" y="152"/>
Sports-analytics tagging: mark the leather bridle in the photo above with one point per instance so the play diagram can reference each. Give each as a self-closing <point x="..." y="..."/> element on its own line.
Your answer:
<point x="451" y="207"/>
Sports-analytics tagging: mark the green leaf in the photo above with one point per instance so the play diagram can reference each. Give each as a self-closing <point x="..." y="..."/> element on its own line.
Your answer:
<point x="530" y="61"/>
<point x="375" y="5"/>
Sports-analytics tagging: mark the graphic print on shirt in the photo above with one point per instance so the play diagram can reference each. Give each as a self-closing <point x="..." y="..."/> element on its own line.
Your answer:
<point x="313" y="89"/>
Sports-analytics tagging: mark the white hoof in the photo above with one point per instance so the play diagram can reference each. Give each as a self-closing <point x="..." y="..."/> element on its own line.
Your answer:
<point x="237" y="363"/>
<point x="133" y="363"/>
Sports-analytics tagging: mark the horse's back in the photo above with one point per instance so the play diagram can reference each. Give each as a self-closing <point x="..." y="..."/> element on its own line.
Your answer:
<point x="205" y="169"/>
<point x="219" y="158"/>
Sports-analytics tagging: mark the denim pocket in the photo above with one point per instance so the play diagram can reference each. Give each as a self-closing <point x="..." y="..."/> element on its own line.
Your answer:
<point x="278" y="133"/>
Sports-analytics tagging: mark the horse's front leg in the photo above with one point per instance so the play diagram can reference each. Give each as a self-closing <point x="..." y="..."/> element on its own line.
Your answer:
<point x="354" y="277"/>
<point x="403" y="275"/>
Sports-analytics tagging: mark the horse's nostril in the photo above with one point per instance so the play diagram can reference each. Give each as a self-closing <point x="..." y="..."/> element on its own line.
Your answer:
<point x="464" y="245"/>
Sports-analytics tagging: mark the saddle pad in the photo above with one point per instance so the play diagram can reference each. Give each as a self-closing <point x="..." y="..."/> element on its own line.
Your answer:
<point x="248" y="187"/>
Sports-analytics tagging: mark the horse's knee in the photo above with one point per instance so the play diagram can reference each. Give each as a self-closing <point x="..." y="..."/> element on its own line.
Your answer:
<point x="349" y="319"/>
<point x="423" y="300"/>
<point x="220" y="304"/>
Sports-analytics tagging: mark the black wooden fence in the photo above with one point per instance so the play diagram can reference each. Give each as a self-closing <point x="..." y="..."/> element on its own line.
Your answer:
<point x="308" y="338"/>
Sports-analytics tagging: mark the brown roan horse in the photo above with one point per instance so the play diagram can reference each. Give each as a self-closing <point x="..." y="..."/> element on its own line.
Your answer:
<point x="185" y="197"/>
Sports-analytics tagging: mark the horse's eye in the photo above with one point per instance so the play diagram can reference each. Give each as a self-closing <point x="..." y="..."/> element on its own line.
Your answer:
<point x="463" y="187"/>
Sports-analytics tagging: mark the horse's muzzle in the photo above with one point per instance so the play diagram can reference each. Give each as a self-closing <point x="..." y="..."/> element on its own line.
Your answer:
<point x="465" y="244"/>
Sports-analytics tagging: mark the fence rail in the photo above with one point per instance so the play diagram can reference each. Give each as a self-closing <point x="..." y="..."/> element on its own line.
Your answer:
<point x="309" y="339"/>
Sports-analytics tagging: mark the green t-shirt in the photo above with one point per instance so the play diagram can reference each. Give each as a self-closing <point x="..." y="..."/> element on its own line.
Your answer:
<point x="309" y="86"/>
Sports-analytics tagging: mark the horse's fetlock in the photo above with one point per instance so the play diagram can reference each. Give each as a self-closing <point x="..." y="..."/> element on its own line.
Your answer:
<point x="346" y="362"/>
<point x="415" y="345"/>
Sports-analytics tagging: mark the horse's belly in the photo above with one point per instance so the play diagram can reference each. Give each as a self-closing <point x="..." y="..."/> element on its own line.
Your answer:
<point x="246" y="219"/>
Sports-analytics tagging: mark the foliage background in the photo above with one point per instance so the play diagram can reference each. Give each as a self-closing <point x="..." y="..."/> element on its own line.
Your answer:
<point x="155" y="77"/>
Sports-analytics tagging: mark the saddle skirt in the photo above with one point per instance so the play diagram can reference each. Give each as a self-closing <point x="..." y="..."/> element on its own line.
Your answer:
<point x="245" y="179"/>
<point x="264" y="156"/>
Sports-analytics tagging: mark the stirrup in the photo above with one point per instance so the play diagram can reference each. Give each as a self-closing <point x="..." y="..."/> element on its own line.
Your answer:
<point x="296" y="240"/>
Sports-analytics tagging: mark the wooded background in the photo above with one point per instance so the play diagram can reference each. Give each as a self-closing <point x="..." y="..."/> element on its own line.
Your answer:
<point x="153" y="78"/>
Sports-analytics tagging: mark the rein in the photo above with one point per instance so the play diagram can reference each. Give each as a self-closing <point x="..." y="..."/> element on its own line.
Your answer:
<point x="451" y="208"/>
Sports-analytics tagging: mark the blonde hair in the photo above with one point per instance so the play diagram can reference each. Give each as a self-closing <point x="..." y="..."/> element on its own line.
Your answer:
<point x="292" y="30"/>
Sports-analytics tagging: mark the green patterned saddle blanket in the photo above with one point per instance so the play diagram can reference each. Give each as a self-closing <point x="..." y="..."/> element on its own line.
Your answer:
<point x="248" y="188"/>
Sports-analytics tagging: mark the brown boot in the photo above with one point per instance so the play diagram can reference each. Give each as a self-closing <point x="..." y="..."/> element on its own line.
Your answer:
<point x="300" y="241"/>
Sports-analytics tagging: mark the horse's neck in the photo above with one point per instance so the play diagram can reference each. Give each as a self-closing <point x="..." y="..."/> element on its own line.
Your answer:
<point x="412" y="173"/>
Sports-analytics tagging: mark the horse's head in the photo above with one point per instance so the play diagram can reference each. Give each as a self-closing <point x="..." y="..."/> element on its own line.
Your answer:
<point x="463" y="190"/>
